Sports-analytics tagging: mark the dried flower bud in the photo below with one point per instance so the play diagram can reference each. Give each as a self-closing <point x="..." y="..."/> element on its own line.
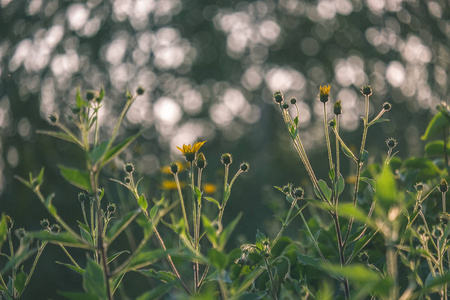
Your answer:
<point x="299" y="192"/>
<point x="226" y="159"/>
<point x="287" y="188"/>
<point x="20" y="233"/>
<point x="55" y="229"/>
<point x="387" y="106"/>
<point x="419" y="186"/>
<point x="285" y="106"/>
<point x="140" y="90"/>
<point x="201" y="161"/>
<point x="111" y="208"/>
<point x="53" y="118"/>
<point x="244" y="167"/>
<point x="337" y="108"/>
<point x="391" y="143"/>
<point x="443" y="187"/>
<point x="324" y="93"/>
<point x="174" y="168"/>
<point x="45" y="223"/>
<point x="82" y="197"/>
<point x="332" y="123"/>
<point x="366" y="90"/>
<point x="129" y="168"/>
<point x="278" y="97"/>
<point x="293" y="101"/>
<point x="127" y="180"/>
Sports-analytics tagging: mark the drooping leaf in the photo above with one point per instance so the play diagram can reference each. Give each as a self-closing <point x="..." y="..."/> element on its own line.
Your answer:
<point x="142" y="202"/>
<point x="212" y="200"/>
<point x="76" y="177"/>
<point x="64" y="238"/>
<point x="226" y="233"/>
<point x="72" y="267"/>
<point x="325" y="191"/>
<point x="60" y="135"/>
<point x="146" y="258"/>
<point x="347" y="152"/>
<point x="117" y="149"/>
<point x="372" y="183"/>
<point x="436" y="126"/>
<point x="164" y="276"/>
<point x="94" y="280"/>
<point x="379" y="121"/>
<point x="116" y="255"/>
<point x="19" y="283"/>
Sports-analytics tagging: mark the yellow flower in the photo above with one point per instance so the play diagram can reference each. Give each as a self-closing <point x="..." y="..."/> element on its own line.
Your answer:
<point x="324" y="93"/>
<point x="171" y="185"/>
<point x="209" y="188"/>
<point x="190" y="152"/>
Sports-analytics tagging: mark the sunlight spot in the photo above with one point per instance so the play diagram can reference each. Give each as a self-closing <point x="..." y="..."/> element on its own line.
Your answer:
<point x="12" y="157"/>
<point x="285" y="79"/>
<point x="77" y="16"/>
<point x="116" y="51"/>
<point x="220" y="114"/>
<point x="167" y="111"/>
<point x="395" y="73"/>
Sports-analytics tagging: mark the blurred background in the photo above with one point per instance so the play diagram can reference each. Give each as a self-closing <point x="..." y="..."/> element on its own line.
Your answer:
<point x="209" y="69"/>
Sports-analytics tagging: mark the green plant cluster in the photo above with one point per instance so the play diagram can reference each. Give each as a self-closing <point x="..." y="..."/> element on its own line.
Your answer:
<point x="384" y="234"/>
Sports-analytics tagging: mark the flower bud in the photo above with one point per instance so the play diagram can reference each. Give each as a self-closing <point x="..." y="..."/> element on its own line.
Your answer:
<point x="55" y="229"/>
<point x="244" y="167"/>
<point x="299" y="192"/>
<point x="129" y="168"/>
<point x="201" y="161"/>
<point x="140" y="90"/>
<point x="90" y="95"/>
<point x="81" y="197"/>
<point x="387" y="106"/>
<point x="293" y="101"/>
<point x="366" y="90"/>
<point x="391" y="143"/>
<point x="332" y="123"/>
<point x="324" y="93"/>
<point x="419" y="186"/>
<point x="20" y="233"/>
<point x="174" y="168"/>
<point x="443" y="187"/>
<point x="127" y="180"/>
<point x="287" y="188"/>
<point x="111" y="208"/>
<point x="45" y="223"/>
<point x="337" y="108"/>
<point x="285" y="106"/>
<point x="278" y="97"/>
<point x="53" y="118"/>
<point x="226" y="158"/>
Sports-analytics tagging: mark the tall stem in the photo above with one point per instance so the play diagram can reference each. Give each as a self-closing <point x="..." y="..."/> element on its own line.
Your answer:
<point x="445" y="145"/>
<point x="327" y="136"/>
<point x="180" y="195"/>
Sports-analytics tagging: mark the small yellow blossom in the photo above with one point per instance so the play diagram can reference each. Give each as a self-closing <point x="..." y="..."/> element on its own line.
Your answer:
<point x="324" y="93"/>
<point x="190" y="152"/>
<point x="209" y="188"/>
<point x="171" y="185"/>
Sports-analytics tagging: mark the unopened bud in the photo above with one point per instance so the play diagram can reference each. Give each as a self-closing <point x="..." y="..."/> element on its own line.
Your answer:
<point x="174" y="168"/>
<point x="443" y="187"/>
<point x="129" y="168"/>
<point x="278" y="97"/>
<point x="244" y="167"/>
<point x="201" y="161"/>
<point x="366" y="90"/>
<point x="226" y="158"/>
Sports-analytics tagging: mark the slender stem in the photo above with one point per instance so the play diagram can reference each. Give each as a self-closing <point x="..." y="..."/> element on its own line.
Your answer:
<point x="83" y="209"/>
<point x="33" y="267"/>
<point x="285" y="223"/>
<point x="316" y="245"/>
<point x="341" y="251"/>
<point x="444" y="206"/>
<point x="445" y="145"/>
<point x="180" y="195"/>
<point x="96" y="127"/>
<point x="391" y="259"/>
<point x="327" y="136"/>
<point x="68" y="255"/>
<point x="273" y="287"/>
<point x="338" y="163"/>
<point x="194" y="220"/>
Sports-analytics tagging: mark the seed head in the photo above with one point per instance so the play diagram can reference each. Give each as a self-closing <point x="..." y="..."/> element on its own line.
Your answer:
<point x="111" y="208"/>
<point x="244" y="167"/>
<point x="299" y="192"/>
<point x="129" y="168"/>
<point x="201" y="161"/>
<point x="45" y="223"/>
<point x="278" y="97"/>
<point x="387" y="106"/>
<point x="324" y="93"/>
<point x="53" y="118"/>
<point x="287" y="188"/>
<point x="140" y="90"/>
<point x="174" y="168"/>
<point x="391" y="143"/>
<point x="366" y="90"/>
<point x="337" y="108"/>
<point x="285" y="106"/>
<point x="443" y="186"/>
<point x="293" y="101"/>
<point x="226" y="159"/>
<point x="82" y="197"/>
<point x="55" y="229"/>
<point x="419" y="186"/>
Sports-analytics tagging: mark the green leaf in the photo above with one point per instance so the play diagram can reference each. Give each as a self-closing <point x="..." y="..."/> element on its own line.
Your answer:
<point x="155" y="209"/>
<point x="145" y="258"/>
<point x="436" y="126"/>
<point x="435" y="148"/>
<point x="331" y="174"/>
<point x="72" y="267"/>
<point x="19" y="283"/>
<point x="226" y="233"/>
<point x="431" y="282"/>
<point x="364" y="156"/>
<point x="94" y="280"/>
<point x="347" y="210"/>
<point x="372" y="183"/>
<point x="76" y="177"/>
<point x="217" y="259"/>
<point x="341" y="184"/>
<point x="3" y="229"/>
<point x="311" y="261"/>
<point x="379" y="121"/>
<point x="79" y="99"/>
<point x="114" y="256"/>
<point x="387" y="193"/>
<point x="296" y="121"/>
<point x="116" y="150"/>
<point x="212" y="200"/>
<point x="347" y="152"/>
<point x="60" y="135"/>
<point x="101" y="94"/>
<point x="120" y="225"/>
<point x="164" y="276"/>
<point x="98" y="152"/>
<point x="293" y="131"/>
<point x="142" y="202"/>
<point x="78" y="296"/>
<point x="326" y="191"/>
<point x="64" y="238"/>
<point x="210" y="231"/>
<point x="155" y="293"/>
